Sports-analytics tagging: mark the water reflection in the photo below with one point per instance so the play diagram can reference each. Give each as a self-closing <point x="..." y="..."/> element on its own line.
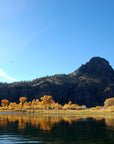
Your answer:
<point x="56" y="129"/>
<point x="47" y="122"/>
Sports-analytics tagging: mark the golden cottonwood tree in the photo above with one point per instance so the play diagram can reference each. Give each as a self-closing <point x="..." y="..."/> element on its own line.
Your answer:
<point x="4" y="102"/>
<point x="109" y="102"/>
<point x="22" y="101"/>
<point x="47" y="99"/>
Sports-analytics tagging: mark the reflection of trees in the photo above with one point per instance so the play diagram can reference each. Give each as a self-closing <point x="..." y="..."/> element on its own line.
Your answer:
<point x="3" y="122"/>
<point x="110" y="123"/>
<point x="43" y="122"/>
<point x="47" y="122"/>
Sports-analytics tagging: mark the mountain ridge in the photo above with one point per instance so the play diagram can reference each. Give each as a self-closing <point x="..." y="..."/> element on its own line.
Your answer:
<point x="89" y="85"/>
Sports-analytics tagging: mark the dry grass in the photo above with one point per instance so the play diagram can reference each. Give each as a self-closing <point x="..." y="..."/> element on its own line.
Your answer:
<point x="35" y="110"/>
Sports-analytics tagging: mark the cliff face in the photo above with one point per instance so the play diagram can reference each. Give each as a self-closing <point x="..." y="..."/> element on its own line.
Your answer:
<point x="90" y="85"/>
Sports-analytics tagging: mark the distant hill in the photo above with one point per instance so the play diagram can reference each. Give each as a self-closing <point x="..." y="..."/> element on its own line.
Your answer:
<point x="90" y="85"/>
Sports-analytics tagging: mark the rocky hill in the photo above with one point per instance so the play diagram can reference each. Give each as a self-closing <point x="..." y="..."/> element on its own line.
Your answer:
<point x="90" y="85"/>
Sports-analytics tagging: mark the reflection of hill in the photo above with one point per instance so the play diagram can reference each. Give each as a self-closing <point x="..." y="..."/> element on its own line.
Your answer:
<point x="47" y="122"/>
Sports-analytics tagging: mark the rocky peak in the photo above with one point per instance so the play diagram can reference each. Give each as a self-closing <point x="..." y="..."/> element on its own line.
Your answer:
<point x="97" y="66"/>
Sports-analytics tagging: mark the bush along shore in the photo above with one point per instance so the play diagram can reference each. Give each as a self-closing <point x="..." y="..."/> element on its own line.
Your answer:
<point x="46" y="105"/>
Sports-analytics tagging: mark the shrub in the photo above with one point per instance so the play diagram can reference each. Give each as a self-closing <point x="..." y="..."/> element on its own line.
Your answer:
<point x="70" y="102"/>
<point x="72" y="107"/>
<point x="109" y="102"/>
<point x="84" y="107"/>
<point x="13" y="105"/>
<point x="96" y="108"/>
<point x="46" y="100"/>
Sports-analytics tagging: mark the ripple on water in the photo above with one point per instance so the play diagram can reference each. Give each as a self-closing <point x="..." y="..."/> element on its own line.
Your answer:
<point x="13" y="139"/>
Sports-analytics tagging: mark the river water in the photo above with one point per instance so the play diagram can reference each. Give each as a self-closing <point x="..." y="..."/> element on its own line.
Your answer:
<point x="23" y="129"/>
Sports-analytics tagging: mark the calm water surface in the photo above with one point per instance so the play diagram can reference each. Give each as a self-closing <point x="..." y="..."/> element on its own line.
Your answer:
<point x="25" y="129"/>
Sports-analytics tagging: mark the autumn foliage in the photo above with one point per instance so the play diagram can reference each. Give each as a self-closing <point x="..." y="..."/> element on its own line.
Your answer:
<point x="46" y="100"/>
<point x="22" y="100"/>
<point x="71" y="106"/>
<point x="109" y="102"/>
<point x="4" y="102"/>
<point x="46" y="103"/>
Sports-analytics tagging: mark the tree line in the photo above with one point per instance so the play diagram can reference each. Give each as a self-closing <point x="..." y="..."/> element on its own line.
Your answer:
<point x="47" y="102"/>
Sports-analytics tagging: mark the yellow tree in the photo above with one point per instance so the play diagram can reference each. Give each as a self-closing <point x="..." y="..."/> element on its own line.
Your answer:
<point x="22" y="101"/>
<point x="70" y="102"/>
<point x="47" y="99"/>
<point x="109" y="102"/>
<point x="4" y="102"/>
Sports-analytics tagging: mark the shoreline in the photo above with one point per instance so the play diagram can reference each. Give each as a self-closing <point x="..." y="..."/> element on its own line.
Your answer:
<point x="60" y="112"/>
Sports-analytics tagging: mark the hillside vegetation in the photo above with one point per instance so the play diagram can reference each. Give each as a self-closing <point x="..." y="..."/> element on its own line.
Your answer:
<point x="90" y="85"/>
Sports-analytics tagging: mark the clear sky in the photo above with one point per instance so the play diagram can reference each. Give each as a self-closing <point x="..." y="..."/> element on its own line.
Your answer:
<point x="47" y="37"/>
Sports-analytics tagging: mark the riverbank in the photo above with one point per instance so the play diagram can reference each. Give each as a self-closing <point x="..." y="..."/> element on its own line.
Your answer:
<point x="60" y="112"/>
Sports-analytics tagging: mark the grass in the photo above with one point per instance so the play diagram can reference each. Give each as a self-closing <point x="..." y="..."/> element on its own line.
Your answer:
<point x="57" y="112"/>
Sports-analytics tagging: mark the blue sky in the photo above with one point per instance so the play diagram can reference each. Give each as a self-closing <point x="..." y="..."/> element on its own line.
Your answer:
<point x="47" y="37"/>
